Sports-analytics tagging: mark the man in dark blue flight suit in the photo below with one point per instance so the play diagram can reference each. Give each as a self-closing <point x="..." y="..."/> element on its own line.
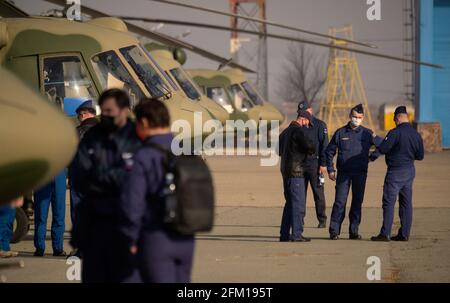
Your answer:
<point x="99" y="168"/>
<point x="353" y="142"/>
<point x="163" y="256"/>
<point x="402" y="146"/>
<point x="294" y="148"/>
<point x="316" y="164"/>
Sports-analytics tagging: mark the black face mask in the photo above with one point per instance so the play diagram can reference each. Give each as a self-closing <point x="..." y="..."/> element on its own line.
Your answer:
<point x="107" y="123"/>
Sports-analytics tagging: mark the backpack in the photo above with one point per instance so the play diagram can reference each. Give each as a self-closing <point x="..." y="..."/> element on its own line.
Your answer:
<point x="188" y="193"/>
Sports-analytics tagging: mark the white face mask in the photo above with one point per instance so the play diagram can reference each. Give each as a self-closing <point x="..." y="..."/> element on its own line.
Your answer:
<point x="356" y="122"/>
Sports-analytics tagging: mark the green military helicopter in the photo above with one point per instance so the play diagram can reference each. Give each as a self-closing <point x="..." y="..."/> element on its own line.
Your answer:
<point x="70" y="62"/>
<point x="37" y="140"/>
<point x="231" y="89"/>
<point x="173" y="69"/>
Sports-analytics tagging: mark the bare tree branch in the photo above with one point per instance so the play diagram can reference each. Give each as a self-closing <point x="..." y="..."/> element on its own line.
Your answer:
<point x="304" y="74"/>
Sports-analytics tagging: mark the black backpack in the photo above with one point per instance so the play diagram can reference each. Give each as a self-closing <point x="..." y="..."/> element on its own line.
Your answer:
<point x="188" y="193"/>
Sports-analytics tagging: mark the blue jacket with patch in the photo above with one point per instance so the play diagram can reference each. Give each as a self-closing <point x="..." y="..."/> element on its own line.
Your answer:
<point x="353" y="147"/>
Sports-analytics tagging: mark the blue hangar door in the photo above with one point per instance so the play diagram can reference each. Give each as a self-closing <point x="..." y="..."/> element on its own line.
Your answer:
<point x="441" y="78"/>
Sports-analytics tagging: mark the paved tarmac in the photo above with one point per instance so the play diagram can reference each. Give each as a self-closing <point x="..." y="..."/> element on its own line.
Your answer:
<point x="244" y="247"/>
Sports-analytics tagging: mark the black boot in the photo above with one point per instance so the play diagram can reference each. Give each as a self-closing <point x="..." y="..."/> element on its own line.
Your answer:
<point x="399" y="238"/>
<point x="380" y="238"/>
<point x="39" y="253"/>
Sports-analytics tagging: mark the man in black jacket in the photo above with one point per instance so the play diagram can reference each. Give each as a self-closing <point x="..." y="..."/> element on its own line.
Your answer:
<point x="294" y="149"/>
<point x="316" y="164"/>
<point x="104" y="155"/>
<point x="86" y="115"/>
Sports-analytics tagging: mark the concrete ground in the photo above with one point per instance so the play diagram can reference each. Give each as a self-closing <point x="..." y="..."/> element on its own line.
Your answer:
<point x="244" y="247"/>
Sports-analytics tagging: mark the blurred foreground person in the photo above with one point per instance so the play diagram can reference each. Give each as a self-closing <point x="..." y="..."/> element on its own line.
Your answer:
<point x="163" y="255"/>
<point x="54" y="194"/>
<point x="7" y="216"/>
<point x="294" y="150"/>
<point x="104" y="155"/>
<point x="86" y="116"/>
<point x="402" y="146"/>
<point x="353" y="143"/>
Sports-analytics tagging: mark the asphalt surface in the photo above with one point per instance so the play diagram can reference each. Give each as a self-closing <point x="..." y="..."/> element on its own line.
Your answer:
<point x="244" y="247"/>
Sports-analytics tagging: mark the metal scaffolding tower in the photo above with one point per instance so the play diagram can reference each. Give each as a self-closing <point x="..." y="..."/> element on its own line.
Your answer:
<point x="244" y="50"/>
<point x="344" y="87"/>
<point x="409" y="47"/>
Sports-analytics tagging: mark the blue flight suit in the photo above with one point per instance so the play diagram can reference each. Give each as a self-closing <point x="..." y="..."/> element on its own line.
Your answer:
<point x="318" y="134"/>
<point x="7" y="216"/>
<point x="402" y="146"/>
<point x="353" y="147"/>
<point x="163" y="255"/>
<point x="54" y="194"/>
<point x="99" y="169"/>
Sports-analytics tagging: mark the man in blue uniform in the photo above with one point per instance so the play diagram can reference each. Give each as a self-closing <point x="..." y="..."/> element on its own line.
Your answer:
<point x="402" y="146"/>
<point x="353" y="143"/>
<point x="315" y="164"/>
<point x="54" y="194"/>
<point x="163" y="256"/>
<point x="7" y="215"/>
<point x="294" y="148"/>
<point x="99" y="168"/>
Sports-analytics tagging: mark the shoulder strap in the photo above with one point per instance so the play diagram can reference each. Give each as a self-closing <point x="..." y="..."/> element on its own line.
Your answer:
<point x="168" y="155"/>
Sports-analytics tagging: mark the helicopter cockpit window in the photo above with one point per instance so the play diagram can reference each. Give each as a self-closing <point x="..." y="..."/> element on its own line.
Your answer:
<point x="161" y="70"/>
<point x="185" y="84"/>
<point x="145" y="71"/>
<point x="113" y="74"/>
<point x="219" y="95"/>
<point x="252" y="93"/>
<point x="240" y="100"/>
<point x="66" y="77"/>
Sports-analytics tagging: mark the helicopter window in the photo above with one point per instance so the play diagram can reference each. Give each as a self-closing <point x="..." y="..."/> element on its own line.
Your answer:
<point x="252" y="93"/>
<point x="145" y="71"/>
<point x="220" y="96"/>
<point x="241" y="102"/>
<point x="186" y="85"/>
<point x="161" y="70"/>
<point x="112" y="73"/>
<point x="66" y="77"/>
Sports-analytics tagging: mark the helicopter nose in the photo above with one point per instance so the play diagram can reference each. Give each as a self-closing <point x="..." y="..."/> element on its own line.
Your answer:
<point x="37" y="141"/>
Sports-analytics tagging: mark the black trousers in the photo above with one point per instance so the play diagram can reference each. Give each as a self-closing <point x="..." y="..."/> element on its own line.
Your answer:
<point x="311" y="174"/>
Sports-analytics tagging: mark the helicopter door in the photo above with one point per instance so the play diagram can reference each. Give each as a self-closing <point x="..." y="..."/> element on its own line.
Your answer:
<point x="65" y="81"/>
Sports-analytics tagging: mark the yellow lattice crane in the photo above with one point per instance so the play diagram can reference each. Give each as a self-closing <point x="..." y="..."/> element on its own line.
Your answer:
<point x="344" y="87"/>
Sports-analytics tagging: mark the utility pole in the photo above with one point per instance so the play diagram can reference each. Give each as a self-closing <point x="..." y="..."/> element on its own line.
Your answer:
<point x="244" y="50"/>
<point x="344" y="87"/>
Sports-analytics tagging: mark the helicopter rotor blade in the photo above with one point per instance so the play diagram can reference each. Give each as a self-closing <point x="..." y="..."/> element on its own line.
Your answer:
<point x="165" y="39"/>
<point x="304" y="31"/>
<point x="288" y="38"/>
<point x="9" y="10"/>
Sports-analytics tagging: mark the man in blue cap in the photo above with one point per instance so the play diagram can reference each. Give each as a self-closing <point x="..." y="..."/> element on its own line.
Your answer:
<point x="402" y="146"/>
<point x="353" y="143"/>
<point x="86" y="116"/>
<point x="315" y="164"/>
